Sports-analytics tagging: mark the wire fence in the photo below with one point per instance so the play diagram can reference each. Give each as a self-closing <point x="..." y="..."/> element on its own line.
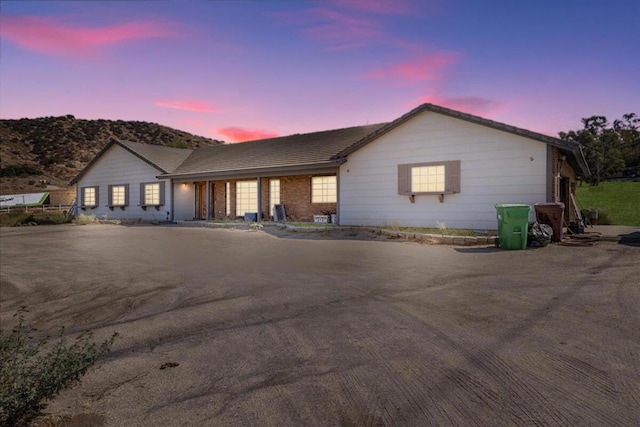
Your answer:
<point x="40" y="208"/>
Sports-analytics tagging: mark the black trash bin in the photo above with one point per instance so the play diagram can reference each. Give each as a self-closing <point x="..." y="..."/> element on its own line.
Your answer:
<point x="551" y="214"/>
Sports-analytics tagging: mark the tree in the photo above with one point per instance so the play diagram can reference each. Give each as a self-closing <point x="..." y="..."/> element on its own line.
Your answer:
<point x="629" y="133"/>
<point x="606" y="147"/>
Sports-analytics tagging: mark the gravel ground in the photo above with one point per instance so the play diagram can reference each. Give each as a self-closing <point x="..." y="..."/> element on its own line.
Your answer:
<point x="332" y="329"/>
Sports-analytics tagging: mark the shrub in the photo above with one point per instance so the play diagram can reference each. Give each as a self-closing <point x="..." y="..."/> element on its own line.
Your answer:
<point x="603" y="217"/>
<point x="86" y="219"/>
<point x="15" y="219"/>
<point x="19" y="170"/>
<point x="29" y="375"/>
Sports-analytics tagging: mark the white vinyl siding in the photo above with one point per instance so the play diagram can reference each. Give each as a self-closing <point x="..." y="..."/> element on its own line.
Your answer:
<point x="495" y="167"/>
<point x="324" y="189"/>
<point x="274" y="194"/>
<point x="246" y="197"/>
<point x="120" y="167"/>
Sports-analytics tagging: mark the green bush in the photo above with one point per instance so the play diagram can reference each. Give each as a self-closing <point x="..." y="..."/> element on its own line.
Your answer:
<point x="29" y="375"/>
<point x="18" y="171"/>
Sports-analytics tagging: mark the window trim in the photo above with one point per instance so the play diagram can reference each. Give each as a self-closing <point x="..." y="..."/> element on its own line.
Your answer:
<point x="451" y="178"/>
<point x="83" y="205"/>
<point x="110" y="205"/>
<point x="335" y="177"/>
<point x="161" y="195"/>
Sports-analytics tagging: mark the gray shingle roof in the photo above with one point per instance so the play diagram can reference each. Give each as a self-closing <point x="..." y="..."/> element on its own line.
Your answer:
<point x="299" y="150"/>
<point x="167" y="159"/>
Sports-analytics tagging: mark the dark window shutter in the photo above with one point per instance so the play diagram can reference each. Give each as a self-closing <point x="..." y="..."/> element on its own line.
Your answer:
<point x="126" y="194"/>
<point x="142" y="195"/>
<point x="162" y="193"/>
<point x="97" y="193"/>
<point x="452" y="170"/>
<point x="110" y="195"/>
<point x="404" y="181"/>
<point x="82" y="190"/>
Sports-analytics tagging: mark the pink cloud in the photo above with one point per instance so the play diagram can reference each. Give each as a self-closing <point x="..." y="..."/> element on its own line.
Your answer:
<point x="50" y="36"/>
<point x="241" y="135"/>
<point x="467" y="104"/>
<point x="188" y="105"/>
<point x="335" y="29"/>
<point x="383" y="7"/>
<point x="425" y="67"/>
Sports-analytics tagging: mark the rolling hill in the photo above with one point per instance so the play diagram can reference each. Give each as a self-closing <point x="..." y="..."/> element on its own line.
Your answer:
<point x="48" y="152"/>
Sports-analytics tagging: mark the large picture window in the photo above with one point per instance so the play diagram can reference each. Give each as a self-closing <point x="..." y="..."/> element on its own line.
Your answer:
<point x="425" y="179"/>
<point x="324" y="189"/>
<point x="246" y="197"/>
<point x="429" y="178"/>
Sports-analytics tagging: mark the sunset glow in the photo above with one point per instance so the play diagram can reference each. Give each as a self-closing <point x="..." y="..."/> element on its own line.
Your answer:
<point x="241" y="135"/>
<point x="244" y="70"/>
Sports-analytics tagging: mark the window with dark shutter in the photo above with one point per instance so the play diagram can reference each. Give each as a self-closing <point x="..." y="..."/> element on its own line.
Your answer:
<point x="89" y="197"/>
<point x="152" y="194"/>
<point x="429" y="178"/>
<point x="118" y="195"/>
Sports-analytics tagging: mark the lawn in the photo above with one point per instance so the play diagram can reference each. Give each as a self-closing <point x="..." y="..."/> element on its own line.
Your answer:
<point x="619" y="200"/>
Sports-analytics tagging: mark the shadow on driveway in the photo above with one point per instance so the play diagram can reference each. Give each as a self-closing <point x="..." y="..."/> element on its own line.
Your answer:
<point x="630" y="239"/>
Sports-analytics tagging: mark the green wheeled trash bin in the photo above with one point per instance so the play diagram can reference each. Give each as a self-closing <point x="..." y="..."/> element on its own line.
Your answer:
<point x="551" y="214"/>
<point x="513" y="225"/>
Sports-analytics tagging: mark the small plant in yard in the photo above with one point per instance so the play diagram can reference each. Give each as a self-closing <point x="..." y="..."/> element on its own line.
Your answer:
<point x="256" y="226"/>
<point x="442" y="226"/>
<point x="86" y="219"/>
<point x="29" y="375"/>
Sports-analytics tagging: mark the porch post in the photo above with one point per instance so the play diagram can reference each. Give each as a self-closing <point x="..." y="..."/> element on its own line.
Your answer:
<point x="259" y="216"/>
<point x="208" y="200"/>
<point x="172" y="189"/>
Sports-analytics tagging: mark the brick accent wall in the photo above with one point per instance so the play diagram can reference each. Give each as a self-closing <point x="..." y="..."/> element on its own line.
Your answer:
<point x="295" y="195"/>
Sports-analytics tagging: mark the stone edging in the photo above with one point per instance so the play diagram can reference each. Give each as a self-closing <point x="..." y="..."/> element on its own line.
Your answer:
<point x="433" y="239"/>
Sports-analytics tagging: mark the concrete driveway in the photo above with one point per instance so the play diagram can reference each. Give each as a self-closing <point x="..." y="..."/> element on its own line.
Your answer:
<point x="268" y="330"/>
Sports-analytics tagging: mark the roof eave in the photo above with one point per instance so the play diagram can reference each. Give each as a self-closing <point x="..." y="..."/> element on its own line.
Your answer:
<point x="265" y="171"/>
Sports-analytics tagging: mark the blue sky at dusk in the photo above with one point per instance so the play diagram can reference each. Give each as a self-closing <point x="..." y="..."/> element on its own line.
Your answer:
<point x="240" y="70"/>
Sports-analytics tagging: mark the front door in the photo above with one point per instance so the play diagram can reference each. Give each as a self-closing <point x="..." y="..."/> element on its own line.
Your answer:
<point x="201" y="200"/>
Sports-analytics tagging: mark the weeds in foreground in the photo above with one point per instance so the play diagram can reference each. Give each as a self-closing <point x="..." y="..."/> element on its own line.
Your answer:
<point x="29" y="375"/>
<point x="17" y="219"/>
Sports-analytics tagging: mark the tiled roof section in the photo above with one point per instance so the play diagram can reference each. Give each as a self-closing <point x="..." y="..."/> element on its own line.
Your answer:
<point x="287" y="151"/>
<point x="166" y="159"/>
<point x="574" y="150"/>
